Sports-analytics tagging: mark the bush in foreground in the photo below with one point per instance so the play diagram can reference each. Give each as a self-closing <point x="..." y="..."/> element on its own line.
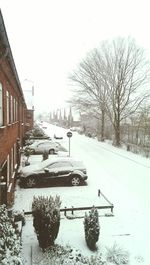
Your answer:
<point x="10" y="248"/>
<point x="46" y="219"/>
<point x="67" y="256"/>
<point x="19" y="216"/>
<point x="117" y="255"/>
<point x="91" y="228"/>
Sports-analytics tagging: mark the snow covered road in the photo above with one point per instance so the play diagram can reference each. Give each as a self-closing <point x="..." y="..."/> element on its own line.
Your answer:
<point x="125" y="180"/>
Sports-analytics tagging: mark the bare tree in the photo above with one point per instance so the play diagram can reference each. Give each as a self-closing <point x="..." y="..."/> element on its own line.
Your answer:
<point x="126" y="74"/>
<point x="112" y="80"/>
<point x="90" y="94"/>
<point x="142" y="126"/>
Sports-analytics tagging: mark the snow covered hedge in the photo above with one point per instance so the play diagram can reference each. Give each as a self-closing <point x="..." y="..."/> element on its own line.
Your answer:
<point x="91" y="228"/>
<point x="19" y="216"/>
<point x="46" y="219"/>
<point x="67" y="256"/>
<point x="10" y="248"/>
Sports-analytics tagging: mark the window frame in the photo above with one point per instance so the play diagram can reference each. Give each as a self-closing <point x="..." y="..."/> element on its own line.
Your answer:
<point x="1" y="106"/>
<point x="11" y="109"/>
<point x="8" y="106"/>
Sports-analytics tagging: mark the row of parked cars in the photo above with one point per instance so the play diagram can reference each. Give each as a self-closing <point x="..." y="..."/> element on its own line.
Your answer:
<point x="38" y="142"/>
<point x="41" y="146"/>
<point x="55" y="170"/>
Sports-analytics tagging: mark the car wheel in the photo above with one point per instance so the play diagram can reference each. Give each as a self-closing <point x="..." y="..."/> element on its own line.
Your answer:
<point x="75" y="181"/>
<point x="31" y="182"/>
<point x="51" y="151"/>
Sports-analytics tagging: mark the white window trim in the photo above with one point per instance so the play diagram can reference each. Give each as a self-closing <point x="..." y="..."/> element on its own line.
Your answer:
<point x="8" y="169"/>
<point x="8" y="106"/>
<point x="1" y="105"/>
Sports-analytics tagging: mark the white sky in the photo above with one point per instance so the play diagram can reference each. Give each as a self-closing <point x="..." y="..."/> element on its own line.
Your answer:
<point x="48" y="38"/>
<point x="123" y="177"/>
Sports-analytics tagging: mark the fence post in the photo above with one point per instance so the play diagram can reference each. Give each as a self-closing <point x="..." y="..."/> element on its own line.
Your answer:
<point x="112" y="207"/>
<point x="72" y="210"/>
<point x="65" y="211"/>
<point x="31" y="255"/>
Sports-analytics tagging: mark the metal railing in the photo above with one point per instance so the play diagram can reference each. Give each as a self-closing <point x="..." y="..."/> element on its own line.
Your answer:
<point x="72" y="209"/>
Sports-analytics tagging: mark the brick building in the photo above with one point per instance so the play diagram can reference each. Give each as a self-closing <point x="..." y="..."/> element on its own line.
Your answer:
<point x="13" y="120"/>
<point x="29" y="119"/>
<point x="28" y="91"/>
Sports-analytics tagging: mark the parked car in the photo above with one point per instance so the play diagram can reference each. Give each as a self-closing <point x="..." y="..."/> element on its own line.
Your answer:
<point x="38" y="147"/>
<point x="58" y="136"/>
<point x="33" y="140"/>
<point x="73" y="129"/>
<point x="54" y="170"/>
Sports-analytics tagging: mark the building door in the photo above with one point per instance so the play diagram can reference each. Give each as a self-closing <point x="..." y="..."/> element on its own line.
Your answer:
<point x="3" y="184"/>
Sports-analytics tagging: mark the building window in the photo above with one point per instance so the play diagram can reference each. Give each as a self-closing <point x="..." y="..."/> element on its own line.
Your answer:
<point x="11" y="109"/>
<point x="14" y="109"/>
<point x="1" y="105"/>
<point x="29" y="116"/>
<point x="8" y="107"/>
<point x="12" y="161"/>
<point x="15" y="154"/>
<point x="8" y="170"/>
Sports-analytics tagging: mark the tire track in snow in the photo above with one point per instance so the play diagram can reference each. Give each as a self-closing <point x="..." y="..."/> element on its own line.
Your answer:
<point x="99" y="144"/>
<point x="139" y="163"/>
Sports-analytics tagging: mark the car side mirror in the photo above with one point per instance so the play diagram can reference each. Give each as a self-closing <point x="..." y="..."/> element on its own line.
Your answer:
<point x="46" y="169"/>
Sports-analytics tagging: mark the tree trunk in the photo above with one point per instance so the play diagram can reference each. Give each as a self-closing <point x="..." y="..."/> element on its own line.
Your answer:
<point x="117" y="134"/>
<point x="103" y="126"/>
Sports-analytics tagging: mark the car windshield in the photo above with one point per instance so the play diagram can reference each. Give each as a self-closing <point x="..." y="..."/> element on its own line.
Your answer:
<point x="60" y="164"/>
<point x="45" y="163"/>
<point x="77" y="163"/>
<point x="37" y="166"/>
<point x="44" y="143"/>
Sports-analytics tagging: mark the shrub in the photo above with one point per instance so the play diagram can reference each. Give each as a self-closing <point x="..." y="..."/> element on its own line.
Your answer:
<point x="27" y="152"/>
<point x="19" y="216"/>
<point x="67" y="255"/>
<point x="46" y="219"/>
<point x="117" y="255"/>
<point x="91" y="228"/>
<point x="10" y="248"/>
<point x="38" y="132"/>
<point x="45" y="155"/>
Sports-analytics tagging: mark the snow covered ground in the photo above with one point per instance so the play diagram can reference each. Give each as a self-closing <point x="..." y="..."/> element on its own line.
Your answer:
<point x="123" y="177"/>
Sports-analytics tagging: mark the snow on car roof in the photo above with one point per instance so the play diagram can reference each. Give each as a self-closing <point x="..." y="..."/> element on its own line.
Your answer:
<point x="42" y="164"/>
<point x="57" y="158"/>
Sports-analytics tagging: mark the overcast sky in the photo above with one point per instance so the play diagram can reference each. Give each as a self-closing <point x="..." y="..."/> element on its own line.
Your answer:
<point x="49" y="38"/>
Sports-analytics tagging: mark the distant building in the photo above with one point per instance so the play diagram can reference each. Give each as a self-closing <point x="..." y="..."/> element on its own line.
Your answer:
<point x="29" y="119"/>
<point x="28" y="91"/>
<point x="14" y="117"/>
<point x="62" y="117"/>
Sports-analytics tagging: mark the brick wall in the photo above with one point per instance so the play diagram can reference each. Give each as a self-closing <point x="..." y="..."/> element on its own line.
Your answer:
<point x="13" y="122"/>
<point x="12" y="131"/>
